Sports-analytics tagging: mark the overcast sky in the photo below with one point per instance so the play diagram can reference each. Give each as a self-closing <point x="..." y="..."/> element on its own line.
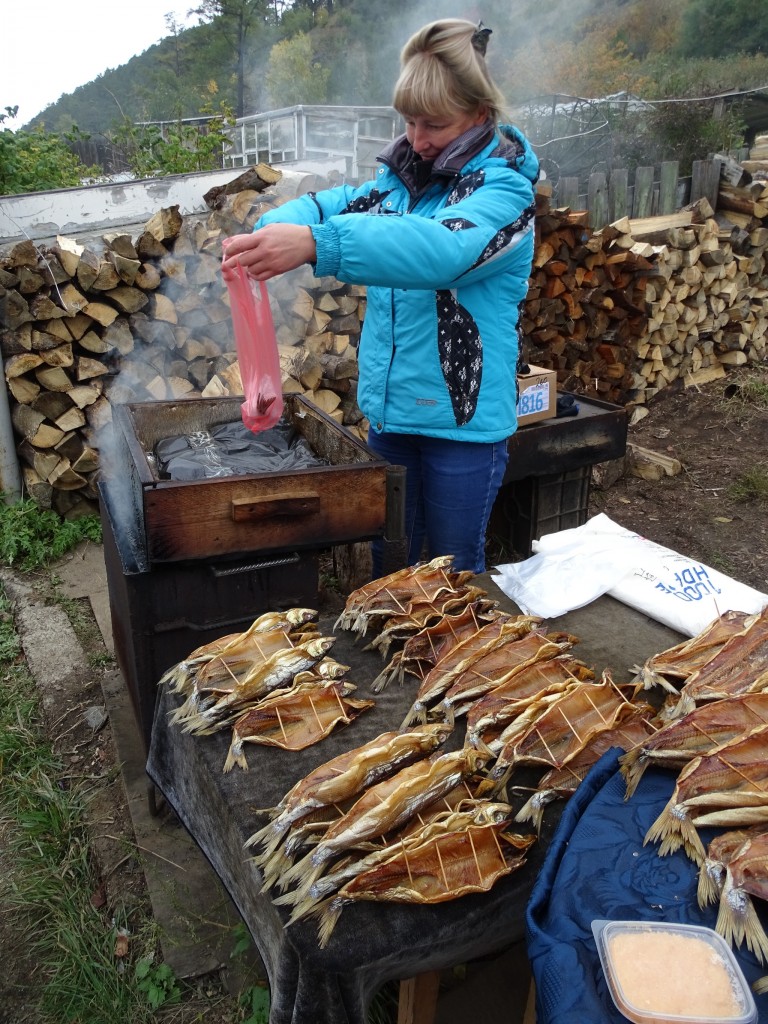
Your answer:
<point x="50" y="47"/>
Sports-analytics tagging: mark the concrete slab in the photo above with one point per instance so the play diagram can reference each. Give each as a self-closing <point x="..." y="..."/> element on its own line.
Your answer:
<point x="196" y="916"/>
<point x="83" y="574"/>
<point x="52" y="650"/>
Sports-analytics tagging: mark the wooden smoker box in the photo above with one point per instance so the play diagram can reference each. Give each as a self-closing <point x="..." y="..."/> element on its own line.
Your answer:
<point x="356" y="497"/>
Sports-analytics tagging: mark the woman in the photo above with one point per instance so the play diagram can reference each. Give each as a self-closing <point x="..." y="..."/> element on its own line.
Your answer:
<point x="443" y="238"/>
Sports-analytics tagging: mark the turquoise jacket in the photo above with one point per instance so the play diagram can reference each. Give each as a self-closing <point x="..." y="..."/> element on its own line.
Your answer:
<point x="445" y="250"/>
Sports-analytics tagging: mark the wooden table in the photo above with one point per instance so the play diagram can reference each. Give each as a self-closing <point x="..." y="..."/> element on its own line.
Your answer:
<point x="376" y="942"/>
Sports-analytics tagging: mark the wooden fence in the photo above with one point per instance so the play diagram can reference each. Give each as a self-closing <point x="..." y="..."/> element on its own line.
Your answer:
<point x="652" y="193"/>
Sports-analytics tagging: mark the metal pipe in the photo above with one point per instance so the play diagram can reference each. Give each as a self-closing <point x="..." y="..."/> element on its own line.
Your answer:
<point x="10" y="477"/>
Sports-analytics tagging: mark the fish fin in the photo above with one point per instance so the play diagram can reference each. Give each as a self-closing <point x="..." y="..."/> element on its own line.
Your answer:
<point x="302" y="873"/>
<point x="329" y="916"/>
<point x="760" y="987"/>
<point x="476" y="740"/>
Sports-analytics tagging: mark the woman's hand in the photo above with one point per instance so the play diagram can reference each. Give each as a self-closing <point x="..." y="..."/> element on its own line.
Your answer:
<point x="273" y="249"/>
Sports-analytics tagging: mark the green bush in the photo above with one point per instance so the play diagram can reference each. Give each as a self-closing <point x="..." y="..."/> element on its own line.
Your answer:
<point x="31" y="537"/>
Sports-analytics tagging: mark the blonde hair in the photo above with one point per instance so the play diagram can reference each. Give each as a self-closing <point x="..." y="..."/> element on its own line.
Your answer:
<point x="443" y="72"/>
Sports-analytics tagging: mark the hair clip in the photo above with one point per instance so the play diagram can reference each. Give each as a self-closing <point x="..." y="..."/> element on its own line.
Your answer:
<point x="480" y="38"/>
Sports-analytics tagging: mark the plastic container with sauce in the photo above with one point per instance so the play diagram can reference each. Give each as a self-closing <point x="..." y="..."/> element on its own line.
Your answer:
<point x="666" y="973"/>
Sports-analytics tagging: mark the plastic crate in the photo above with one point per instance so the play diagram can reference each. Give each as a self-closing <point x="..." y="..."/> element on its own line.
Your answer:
<point x="536" y="505"/>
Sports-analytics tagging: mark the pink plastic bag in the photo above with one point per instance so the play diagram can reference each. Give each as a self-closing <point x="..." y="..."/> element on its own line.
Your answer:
<point x="256" y="351"/>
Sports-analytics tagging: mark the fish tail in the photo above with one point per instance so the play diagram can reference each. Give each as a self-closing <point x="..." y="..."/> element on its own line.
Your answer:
<point x="674" y="829"/>
<point x="666" y="824"/>
<point x="710" y="883"/>
<point x="235" y="756"/>
<point x="270" y="844"/>
<point x="415" y="714"/>
<point x="632" y="765"/>
<point x="273" y="866"/>
<point x="760" y="987"/>
<point x="474" y="739"/>
<point x="684" y="706"/>
<point x="329" y="916"/>
<point x="301" y="873"/>
<point x="175" y="677"/>
<point x="502" y="781"/>
<point x="304" y="904"/>
<point x="737" y="920"/>
<point x="533" y="809"/>
<point x="261" y="834"/>
<point x="386" y="675"/>
<point x="182" y="712"/>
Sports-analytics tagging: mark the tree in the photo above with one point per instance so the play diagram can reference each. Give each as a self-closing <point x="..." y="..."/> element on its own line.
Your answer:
<point x="33" y="161"/>
<point x="293" y="75"/>
<point x="236" y="20"/>
<point x="719" y="28"/>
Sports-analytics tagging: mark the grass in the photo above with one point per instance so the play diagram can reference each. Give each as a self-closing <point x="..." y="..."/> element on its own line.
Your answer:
<point x="751" y="485"/>
<point x="86" y="971"/>
<point x="48" y="894"/>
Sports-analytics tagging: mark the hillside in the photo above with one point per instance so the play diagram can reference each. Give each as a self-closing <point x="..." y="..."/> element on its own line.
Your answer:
<point x="252" y="55"/>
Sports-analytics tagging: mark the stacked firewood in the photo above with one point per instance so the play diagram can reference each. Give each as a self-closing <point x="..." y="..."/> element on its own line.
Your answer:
<point x="143" y="315"/>
<point x="625" y="311"/>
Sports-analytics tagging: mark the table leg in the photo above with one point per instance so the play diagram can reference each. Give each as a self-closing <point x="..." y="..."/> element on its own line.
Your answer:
<point x="530" y="1009"/>
<point x="417" y="1001"/>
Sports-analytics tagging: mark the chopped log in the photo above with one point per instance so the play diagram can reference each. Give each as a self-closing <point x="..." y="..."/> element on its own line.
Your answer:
<point x="101" y="313"/>
<point x="64" y="478"/>
<point x="23" y="389"/>
<point x="165" y="225"/>
<point x="21" y="364"/>
<point x="87" y="368"/>
<point x="162" y="308"/>
<point x="68" y="253"/>
<point x="147" y="277"/>
<point x="33" y="428"/>
<point x="651" y="465"/>
<point x="38" y="489"/>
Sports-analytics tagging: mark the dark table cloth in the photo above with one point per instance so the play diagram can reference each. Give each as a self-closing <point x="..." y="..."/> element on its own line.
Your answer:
<point x="597" y="868"/>
<point x="372" y="942"/>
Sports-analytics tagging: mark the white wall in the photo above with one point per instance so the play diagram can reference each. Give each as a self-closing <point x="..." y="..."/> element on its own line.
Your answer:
<point x="41" y="216"/>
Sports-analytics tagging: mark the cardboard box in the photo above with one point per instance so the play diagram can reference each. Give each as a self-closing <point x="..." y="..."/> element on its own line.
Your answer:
<point x="537" y="395"/>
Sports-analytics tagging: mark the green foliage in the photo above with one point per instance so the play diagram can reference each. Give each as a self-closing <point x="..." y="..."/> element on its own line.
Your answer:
<point x="32" y="161"/>
<point x="158" y="984"/>
<point x="177" y="147"/>
<point x="32" y="537"/>
<point x="254" y="1003"/>
<point x="720" y="28"/>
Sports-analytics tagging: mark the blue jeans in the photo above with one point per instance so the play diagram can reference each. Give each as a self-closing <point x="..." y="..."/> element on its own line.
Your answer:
<point x="450" y="487"/>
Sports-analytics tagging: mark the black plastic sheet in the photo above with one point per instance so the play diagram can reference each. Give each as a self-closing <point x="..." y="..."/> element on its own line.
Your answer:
<point x="231" y="449"/>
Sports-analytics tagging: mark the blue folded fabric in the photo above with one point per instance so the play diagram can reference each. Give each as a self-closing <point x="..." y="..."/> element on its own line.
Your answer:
<point x="597" y="867"/>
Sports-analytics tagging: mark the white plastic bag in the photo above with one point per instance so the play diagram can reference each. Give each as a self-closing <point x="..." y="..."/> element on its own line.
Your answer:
<point x="574" y="567"/>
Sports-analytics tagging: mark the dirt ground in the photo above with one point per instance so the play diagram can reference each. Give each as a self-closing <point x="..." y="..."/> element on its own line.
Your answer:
<point x="714" y="509"/>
